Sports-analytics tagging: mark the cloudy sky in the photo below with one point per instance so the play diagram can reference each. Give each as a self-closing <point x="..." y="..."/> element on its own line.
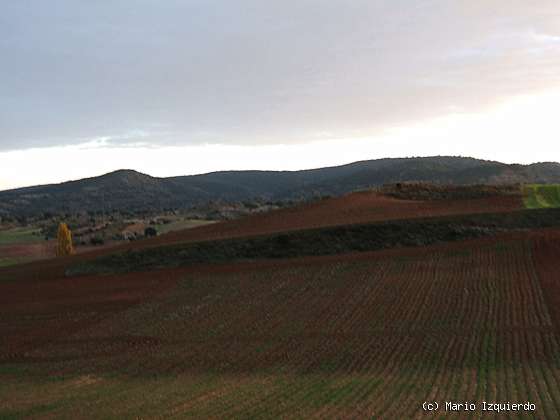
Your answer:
<point x="179" y="87"/>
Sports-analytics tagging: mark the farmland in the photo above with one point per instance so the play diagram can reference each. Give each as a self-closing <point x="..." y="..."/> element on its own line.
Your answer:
<point x="359" y="306"/>
<point x="363" y="335"/>
<point x="20" y="235"/>
<point x="181" y="225"/>
<point x="22" y="244"/>
<point x="325" y="241"/>
<point x="359" y="207"/>
<point x="6" y="261"/>
<point x="35" y="241"/>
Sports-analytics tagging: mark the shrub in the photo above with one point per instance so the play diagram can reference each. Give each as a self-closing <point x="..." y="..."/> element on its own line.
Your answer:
<point x="150" y="231"/>
<point x="96" y="240"/>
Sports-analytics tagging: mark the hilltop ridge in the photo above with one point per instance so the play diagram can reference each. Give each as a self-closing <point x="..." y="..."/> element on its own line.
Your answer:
<point x="131" y="190"/>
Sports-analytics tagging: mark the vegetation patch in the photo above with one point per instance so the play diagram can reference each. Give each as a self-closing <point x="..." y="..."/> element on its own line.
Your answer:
<point x="181" y="224"/>
<point x="5" y="262"/>
<point x="539" y="196"/>
<point x="429" y="191"/>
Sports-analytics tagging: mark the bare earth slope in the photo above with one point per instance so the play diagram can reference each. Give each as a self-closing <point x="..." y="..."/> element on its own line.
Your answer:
<point x="361" y="207"/>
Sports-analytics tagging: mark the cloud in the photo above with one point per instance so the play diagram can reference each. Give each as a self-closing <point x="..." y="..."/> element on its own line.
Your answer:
<point x="521" y="131"/>
<point x="253" y="72"/>
<point x="546" y="38"/>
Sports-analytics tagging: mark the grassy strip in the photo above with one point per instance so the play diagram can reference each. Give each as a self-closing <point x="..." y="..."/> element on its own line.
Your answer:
<point x="182" y="224"/>
<point x="24" y="235"/>
<point x="541" y="196"/>
<point x="5" y="262"/>
<point x="324" y="241"/>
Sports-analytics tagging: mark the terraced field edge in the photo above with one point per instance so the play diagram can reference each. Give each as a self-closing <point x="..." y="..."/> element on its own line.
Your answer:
<point x="325" y="241"/>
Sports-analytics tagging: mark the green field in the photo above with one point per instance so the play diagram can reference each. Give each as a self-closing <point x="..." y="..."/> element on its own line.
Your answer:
<point x="5" y="262"/>
<point x="182" y="224"/>
<point x="25" y="235"/>
<point x="538" y="196"/>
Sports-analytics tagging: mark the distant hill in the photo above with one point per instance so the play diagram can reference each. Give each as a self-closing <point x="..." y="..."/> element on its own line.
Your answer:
<point x="133" y="191"/>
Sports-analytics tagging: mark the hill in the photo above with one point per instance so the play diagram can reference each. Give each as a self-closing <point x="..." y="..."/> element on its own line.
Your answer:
<point x="325" y="241"/>
<point x="353" y="208"/>
<point x="127" y="190"/>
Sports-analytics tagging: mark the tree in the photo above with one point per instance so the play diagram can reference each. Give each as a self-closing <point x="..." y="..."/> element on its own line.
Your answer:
<point x="96" y="240"/>
<point x="150" y="231"/>
<point x="64" y="241"/>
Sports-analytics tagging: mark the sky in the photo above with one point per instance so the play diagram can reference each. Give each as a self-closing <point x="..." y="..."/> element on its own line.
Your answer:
<point x="182" y="87"/>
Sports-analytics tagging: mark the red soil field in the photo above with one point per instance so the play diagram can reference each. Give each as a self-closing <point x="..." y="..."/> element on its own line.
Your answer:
<point x="42" y="251"/>
<point x="364" y="335"/>
<point x="547" y="261"/>
<point x="31" y="251"/>
<point x="51" y="306"/>
<point x="361" y="207"/>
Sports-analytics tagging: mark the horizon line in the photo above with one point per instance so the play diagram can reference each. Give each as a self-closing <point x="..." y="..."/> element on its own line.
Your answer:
<point x="264" y="170"/>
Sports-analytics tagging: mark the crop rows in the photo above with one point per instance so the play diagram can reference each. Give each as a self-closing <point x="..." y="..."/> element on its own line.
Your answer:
<point x="351" y="337"/>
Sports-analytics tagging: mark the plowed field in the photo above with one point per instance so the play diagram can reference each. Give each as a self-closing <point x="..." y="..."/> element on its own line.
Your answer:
<point x="361" y="207"/>
<point x="372" y="335"/>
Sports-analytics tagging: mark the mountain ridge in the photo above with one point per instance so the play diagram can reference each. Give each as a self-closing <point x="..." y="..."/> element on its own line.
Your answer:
<point x="127" y="189"/>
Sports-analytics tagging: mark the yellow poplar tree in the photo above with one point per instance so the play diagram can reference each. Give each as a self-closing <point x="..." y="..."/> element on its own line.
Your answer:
<point x="64" y="241"/>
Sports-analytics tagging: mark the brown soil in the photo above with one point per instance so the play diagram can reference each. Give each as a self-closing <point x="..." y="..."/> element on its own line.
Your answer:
<point x="547" y="261"/>
<point x="441" y="322"/>
<point x="362" y="207"/>
<point x="31" y="251"/>
<point x="59" y="306"/>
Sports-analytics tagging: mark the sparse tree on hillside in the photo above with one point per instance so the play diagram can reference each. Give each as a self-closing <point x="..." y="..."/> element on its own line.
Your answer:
<point x="64" y="241"/>
<point x="150" y="231"/>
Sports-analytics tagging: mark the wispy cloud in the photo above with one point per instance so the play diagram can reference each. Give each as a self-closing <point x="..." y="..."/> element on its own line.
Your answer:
<point x="546" y="38"/>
